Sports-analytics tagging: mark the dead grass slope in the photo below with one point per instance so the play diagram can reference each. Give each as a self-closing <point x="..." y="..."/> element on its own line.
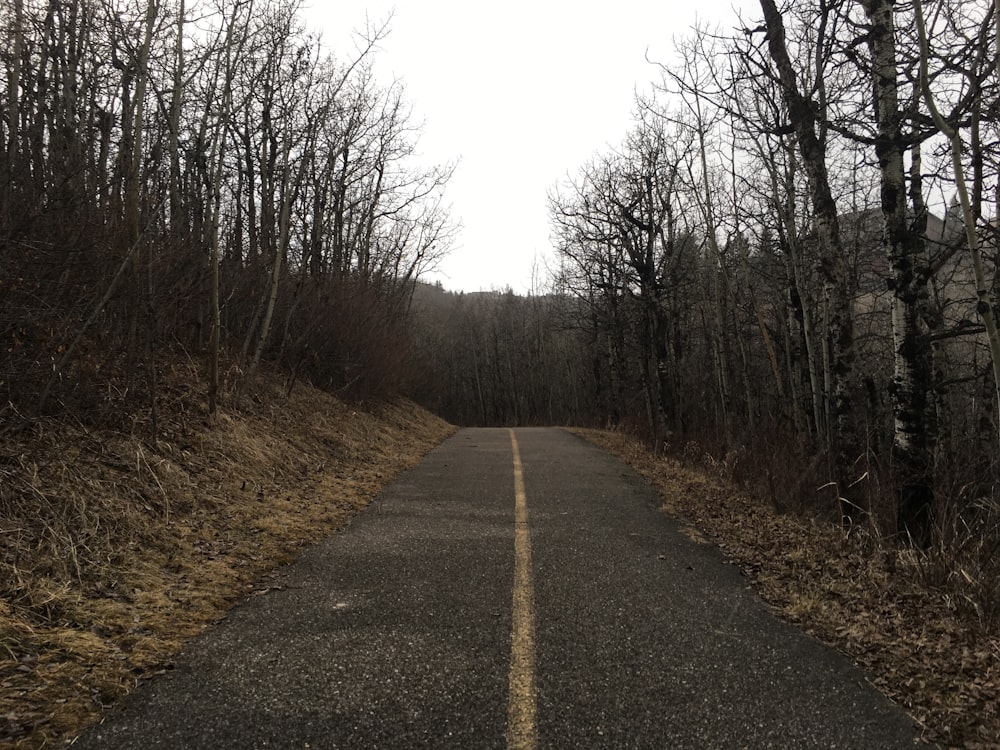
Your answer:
<point x="916" y="643"/>
<point x="115" y="549"/>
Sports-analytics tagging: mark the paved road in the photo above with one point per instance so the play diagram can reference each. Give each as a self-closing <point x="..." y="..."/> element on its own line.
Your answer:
<point x="429" y="623"/>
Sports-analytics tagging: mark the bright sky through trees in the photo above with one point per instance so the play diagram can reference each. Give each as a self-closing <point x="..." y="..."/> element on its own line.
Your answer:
<point x="521" y="93"/>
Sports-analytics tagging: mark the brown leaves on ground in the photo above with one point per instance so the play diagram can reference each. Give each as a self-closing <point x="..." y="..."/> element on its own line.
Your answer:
<point x="867" y="600"/>
<point x="115" y="549"/>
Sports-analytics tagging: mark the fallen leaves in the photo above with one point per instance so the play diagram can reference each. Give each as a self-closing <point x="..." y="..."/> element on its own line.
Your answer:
<point x="919" y="648"/>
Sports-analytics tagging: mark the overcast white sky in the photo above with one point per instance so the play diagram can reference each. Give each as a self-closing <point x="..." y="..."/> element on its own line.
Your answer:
<point x="521" y="93"/>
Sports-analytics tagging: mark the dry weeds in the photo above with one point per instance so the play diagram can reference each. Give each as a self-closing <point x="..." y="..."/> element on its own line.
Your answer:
<point x="114" y="549"/>
<point x="918" y="645"/>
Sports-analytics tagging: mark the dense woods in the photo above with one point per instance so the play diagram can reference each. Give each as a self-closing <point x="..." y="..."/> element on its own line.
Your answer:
<point x="785" y="273"/>
<point x="201" y="178"/>
<point x="787" y="267"/>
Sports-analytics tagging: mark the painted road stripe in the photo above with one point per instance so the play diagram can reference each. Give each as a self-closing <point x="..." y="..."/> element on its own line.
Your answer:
<point x="521" y="733"/>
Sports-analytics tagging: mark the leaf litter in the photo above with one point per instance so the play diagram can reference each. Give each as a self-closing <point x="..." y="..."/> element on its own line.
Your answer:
<point x="868" y="600"/>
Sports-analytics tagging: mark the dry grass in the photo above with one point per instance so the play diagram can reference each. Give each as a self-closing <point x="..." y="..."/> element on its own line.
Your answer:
<point x="114" y="549"/>
<point x="918" y="645"/>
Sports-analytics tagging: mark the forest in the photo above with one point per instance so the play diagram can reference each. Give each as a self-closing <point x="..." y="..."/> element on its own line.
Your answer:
<point x="209" y="180"/>
<point x="787" y="269"/>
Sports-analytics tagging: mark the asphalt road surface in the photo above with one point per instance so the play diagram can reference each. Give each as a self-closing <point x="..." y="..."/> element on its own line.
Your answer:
<point x="517" y="589"/>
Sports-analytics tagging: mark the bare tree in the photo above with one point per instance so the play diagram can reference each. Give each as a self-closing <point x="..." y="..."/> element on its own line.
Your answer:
<point x="805" y="116"/>
<point x="986" y="306"/>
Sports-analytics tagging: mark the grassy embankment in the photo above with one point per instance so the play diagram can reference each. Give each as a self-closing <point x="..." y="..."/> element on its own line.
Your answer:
<point x="115" y="548"/>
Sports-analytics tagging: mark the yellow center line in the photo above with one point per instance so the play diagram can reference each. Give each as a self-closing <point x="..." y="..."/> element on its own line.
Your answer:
<point x="521" y="733"/>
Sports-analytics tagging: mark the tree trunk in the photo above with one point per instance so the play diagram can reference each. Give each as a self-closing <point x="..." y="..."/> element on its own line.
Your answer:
<point x="280" y="248"/>
<point x="173" y="148"/>
<point x="11" y="147"/>
<point x="133" y="178"/>
<point x="216" y="163"/>
<point x="803" y="114"/>
<point x="915" y="433"/>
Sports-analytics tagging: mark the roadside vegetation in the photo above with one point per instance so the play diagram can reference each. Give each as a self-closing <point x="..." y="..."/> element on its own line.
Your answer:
<point x="118" y="548"/>
<point x="785" y="274"/>
<point x="210" y="224"/>
<point x="897" y="612"/>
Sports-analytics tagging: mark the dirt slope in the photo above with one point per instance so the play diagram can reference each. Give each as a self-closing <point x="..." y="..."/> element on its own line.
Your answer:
<point x="115" y="548"/>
